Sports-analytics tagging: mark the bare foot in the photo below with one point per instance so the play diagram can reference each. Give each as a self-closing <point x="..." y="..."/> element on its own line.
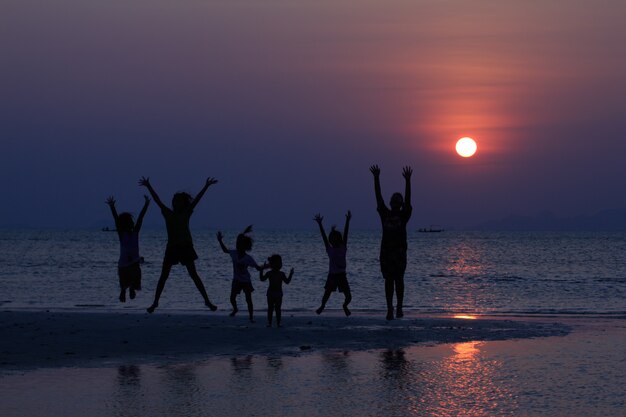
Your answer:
<point x="399" y="313"/>
<point x="390" y="315"/>
<point x="319" y="310"/>
<point x="213" y="307"/>
<point x="152" y="308"/>
<point x="132" y="293"/>
<point x="346" y="311"/>
<point x="123" y="296"/>
<point x="232" y="313"/>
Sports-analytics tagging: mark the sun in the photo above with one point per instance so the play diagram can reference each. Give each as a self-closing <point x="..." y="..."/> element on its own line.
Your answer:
<point x="466" y="147"/>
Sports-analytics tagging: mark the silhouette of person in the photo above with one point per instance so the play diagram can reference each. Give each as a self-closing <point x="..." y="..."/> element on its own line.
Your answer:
<point x="393" y="246"/>
<point x="241" y="277"/>
<point x="276" y="277"/>
<point x="179" y="242"/>
<point x="128" y="269"/>
<point x="336" y="247"/>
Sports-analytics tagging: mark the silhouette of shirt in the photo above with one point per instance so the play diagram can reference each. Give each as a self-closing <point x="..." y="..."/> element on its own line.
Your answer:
<point x="177" y="224"/>
<point x="336" y="259"/>
<point x="241" y="265"/>
<point x="394" y="227"/>
<point x="276" y="279"/>
<point x="129" y="249"/>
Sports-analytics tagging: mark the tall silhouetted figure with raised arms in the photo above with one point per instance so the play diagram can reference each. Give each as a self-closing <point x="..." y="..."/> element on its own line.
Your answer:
<point x="241" y="277"/>
<point x="128" y="269"/>
<point x="336" y="248"/>
<point x="274" y="293"/>
<point x="179" y="242"/>
<point x="393" y="246"/>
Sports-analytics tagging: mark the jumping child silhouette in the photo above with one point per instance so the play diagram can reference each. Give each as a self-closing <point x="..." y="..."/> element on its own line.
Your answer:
<point x="241" y="277"/>
<point x="336" y="248"/>
<point x="128" y="268"/>
<point x="179" y="242"/>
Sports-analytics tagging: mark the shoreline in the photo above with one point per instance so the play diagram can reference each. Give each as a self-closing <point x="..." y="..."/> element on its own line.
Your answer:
<point x="52" y="339"/>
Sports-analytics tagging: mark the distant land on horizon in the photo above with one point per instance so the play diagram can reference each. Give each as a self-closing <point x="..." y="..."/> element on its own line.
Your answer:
<point x="604" y="220"/>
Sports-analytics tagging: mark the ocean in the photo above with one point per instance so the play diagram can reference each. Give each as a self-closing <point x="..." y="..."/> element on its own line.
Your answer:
<point x="494" y="273"/>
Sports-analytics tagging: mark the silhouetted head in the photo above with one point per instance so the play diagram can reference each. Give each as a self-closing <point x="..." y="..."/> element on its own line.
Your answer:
<point x="276" y="262"/>
<point x="334" y="238"/>
<point x="397" y="201"/>
<point x="125" y="222"/>
<point x="244" y="242"/>
<point x="181" y="201"/>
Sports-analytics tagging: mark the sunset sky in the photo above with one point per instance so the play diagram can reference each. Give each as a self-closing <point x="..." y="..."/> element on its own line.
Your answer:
<point x="289" y="102"/>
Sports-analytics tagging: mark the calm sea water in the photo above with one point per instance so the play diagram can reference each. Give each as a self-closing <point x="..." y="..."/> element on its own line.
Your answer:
<point x="449" y="272"/>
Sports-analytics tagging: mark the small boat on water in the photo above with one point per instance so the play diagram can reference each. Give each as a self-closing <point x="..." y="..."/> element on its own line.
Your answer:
<point x="432" y="229"/>
<point x="106" y="229"/>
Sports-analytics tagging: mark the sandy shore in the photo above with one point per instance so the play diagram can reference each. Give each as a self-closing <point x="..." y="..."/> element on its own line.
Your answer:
<point x="54" y="339"/>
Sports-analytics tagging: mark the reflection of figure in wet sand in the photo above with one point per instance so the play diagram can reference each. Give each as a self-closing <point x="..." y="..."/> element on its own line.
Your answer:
<point x="179" y="242"/>
<point x="128" y="268"/>
<point x="336" y="247"/>
<point x="393" y="246"/>
<point x="128" y="395"/>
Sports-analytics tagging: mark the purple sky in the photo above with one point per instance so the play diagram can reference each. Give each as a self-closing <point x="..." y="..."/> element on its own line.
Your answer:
<point x="288" y="102"/>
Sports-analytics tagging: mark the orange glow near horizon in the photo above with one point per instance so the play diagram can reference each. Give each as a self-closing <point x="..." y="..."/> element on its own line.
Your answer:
<point x="465" y="316"/>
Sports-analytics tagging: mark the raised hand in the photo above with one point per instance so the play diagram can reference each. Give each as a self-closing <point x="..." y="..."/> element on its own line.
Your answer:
<point x="110" y="201"/>
<point x="375" y="170"/>
<point x="318" y="218"/>
<point x="348" y="215"/>
<point x="406" y="172"/>
<point x="210" y="181"/>
<point x="144" y="181"/>
<point x="291" y="271"/>
<point x="220" y="236"/>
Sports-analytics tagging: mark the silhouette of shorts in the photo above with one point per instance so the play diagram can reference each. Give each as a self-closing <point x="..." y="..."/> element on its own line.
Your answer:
<point x="238" y="286"/>
<point x="180" y="254"/>
<point x="393" y="264"/>
<point x="337" y="282"/>
<point x="130" y="276"/>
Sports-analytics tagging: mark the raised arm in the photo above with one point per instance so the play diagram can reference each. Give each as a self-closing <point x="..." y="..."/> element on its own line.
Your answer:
<point x="346" y="228"/>
<point x="111" y="203"/>
<point x="209" y="182"/>
<point x="375" y="170"/>
<point x="288" y="279"/>
<point x="407" y="171"/>
<point x="142" y="213"/>
<point x="145" y="182"/>
<point x="318" y="219"/>
<point x="220" y="238"/>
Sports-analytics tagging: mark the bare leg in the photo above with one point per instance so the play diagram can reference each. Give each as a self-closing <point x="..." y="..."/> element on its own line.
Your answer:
<point x="123" y="295"/>
<point x="400" y="296"/>
<point x="389" y="287"/>
<point x="278" y="303"/>
<point x="233" y="302"/>
<point x="325" y="298"/>
<point x="270" y="311"/>
<point x="347" y="300"/>
<point x="165" y="273"/>
<point x="191" y="268"/>
<point x="250" y="306"/>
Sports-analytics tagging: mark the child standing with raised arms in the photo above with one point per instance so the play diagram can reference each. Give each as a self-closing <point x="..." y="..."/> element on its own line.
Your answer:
<point x="276" y="278"/>
<point x="128" y="269"/>
<point x="179" y="242"/>
<point x="241" y="277"/>
<point x="336" y="248"/>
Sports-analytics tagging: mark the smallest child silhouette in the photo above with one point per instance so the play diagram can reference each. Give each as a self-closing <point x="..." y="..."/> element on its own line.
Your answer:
<point x="276" y="277"/>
